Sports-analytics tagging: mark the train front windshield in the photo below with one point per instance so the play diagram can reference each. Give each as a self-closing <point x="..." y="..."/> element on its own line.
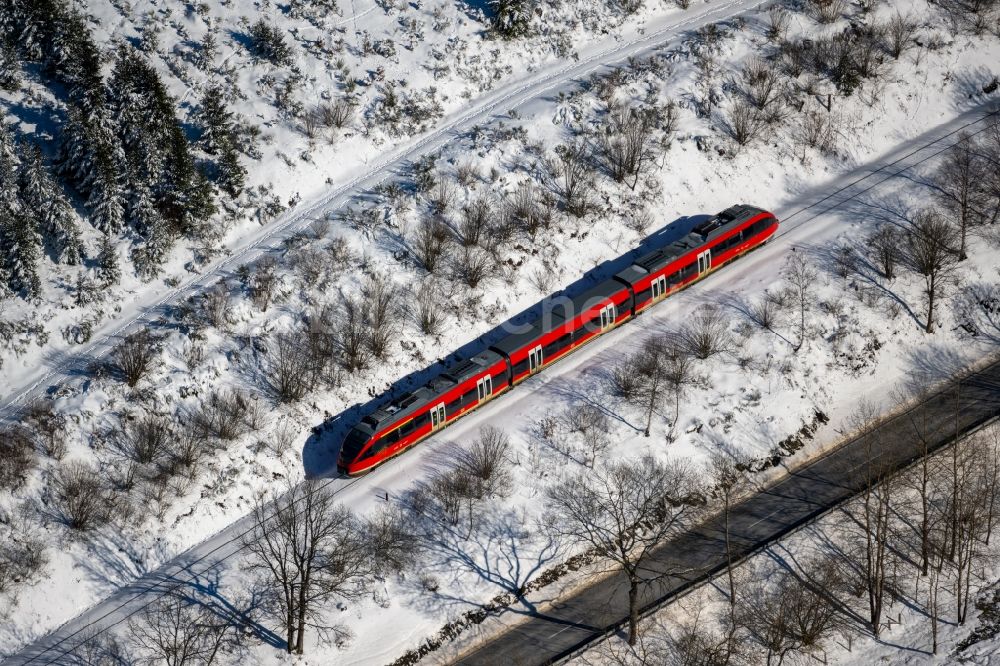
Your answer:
<point x="356" y="440"/>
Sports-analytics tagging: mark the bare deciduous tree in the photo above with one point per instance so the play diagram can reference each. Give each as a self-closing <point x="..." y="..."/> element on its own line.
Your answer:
<point x="382" y="313"/>
<point x="81" y="498"/>
<point x="475" y="219"/>
<point x="134" y="356"/>
<point x="473" y="265"/>
<point x="959" y="181"/>
<point x="789" y="614"/>
<point x="216" y="305"/>
<point x="23" y="551"/>
<point x="571" y="170"/>
<point x="626" y="143"/>
<point x="887" y="246"/>
<point x="705" y="334"/>
<point x="177" y="631"/>
<point x="314" y="551"/>
<point x="745" y="122"/>
<point x="873" y="564"/>
<point x="287" y="368"/>
<point x="900" y="32"/>
<point x="260" y="280"/>
<point x="931" y="255"/>
<point x="487" y="463"/>
<point x="427" y="311"/>
<point x="18" y="454"/>
<point x="352" y="335"/>
<point x="429" y="242"/>
<point x="225" y="414"/>
<point x="729" y="481"/>
<point x="50" y="425"/>
<point x="624" y="512"/>
<point x="777" y="23"/>
<point x="140" y="442"/>
<point x="801" y="277"/>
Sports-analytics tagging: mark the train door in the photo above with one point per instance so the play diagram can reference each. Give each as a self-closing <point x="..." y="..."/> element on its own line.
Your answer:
<point x="485" y="386"/>
<point x="535" y="359"/>
<point x="704" y="262"/>
<point x="608" y="316"/>
<point x="437" y="416"/>
<point x="659" y="287"/>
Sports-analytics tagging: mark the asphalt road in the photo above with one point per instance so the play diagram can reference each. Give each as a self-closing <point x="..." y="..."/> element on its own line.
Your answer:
<point x="759" y="520"/>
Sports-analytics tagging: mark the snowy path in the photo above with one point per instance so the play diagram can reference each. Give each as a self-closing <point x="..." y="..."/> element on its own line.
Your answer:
<point x="19" y="390"/>
<point x="811" y="217"/>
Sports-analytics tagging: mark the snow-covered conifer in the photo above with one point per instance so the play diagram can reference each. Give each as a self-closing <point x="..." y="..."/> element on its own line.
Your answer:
<point x="21" y="244"/>
<point x="108" y="270"/>
<point x="232" y="174"/>
<point x="511" y="18"/>
<point x="53" y="216"/>
<point x="214" y="121"/>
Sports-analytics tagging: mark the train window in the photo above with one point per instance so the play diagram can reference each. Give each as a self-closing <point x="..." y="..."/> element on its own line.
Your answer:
<point x="407" y="428"/>
<point x="355" y="441"/>
<point x="687" y="271"/>
<point x="455" y="405"/>
<point x="520" y="367"/>
<point x="421" y="420"/>
<point x="469" y="398"/>
<point x="642" y="296"/>
<point x="390" y="437"/>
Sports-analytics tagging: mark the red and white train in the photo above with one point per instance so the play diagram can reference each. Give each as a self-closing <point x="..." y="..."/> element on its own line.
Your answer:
<point x="565" y="325"/>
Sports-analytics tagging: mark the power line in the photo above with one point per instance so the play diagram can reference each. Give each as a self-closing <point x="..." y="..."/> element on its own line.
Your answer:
<point x="242" y="535"/>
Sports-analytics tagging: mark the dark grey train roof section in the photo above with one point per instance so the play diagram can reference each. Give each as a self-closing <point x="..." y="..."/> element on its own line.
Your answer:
<point x="654" y="261"/>
<point x="411" y="403"/>
<point x="528" y="332"/>
<point x="724" y="221"/>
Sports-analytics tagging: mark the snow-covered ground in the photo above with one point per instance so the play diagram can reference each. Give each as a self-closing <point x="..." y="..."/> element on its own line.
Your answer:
<point x="311" y="176"/>
<point x="864" y="336"/>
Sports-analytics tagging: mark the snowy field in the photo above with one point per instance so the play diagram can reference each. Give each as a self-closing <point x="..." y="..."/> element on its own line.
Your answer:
<point x="863" y="337"/>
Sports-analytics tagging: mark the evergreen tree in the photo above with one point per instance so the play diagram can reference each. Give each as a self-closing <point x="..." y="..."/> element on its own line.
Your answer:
<point x="214" y="121"/>
<point x="232" y="174"/>
<point x="9" y="199"/>
<point x="52" y="214"/>
<point x="185" y="195"/>
<point x="10" y="67"/>
<point x="108" y="271"/>
<point x="89" y="149"/>
<point x="22" y="247"/>
<point x="511" y="18"/>
<point x="156" y="235"/>
<point x="107" y="211"/>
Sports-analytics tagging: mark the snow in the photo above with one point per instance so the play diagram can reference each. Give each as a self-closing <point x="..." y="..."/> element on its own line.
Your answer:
<point x="747" y="407"/>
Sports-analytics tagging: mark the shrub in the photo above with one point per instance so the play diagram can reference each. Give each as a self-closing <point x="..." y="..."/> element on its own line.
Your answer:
<point x="81" y="498"/>
<point x="134" y="356"/>
<point x="17" y="453"/>
<point x="487" y="465"/>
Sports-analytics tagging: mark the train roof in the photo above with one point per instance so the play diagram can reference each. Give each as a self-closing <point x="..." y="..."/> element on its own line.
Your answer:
<point x="529" y="332"/>
<point x="411" y="403"/>
<point x="724" y="221"/>
<point x="655" y="260"/>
